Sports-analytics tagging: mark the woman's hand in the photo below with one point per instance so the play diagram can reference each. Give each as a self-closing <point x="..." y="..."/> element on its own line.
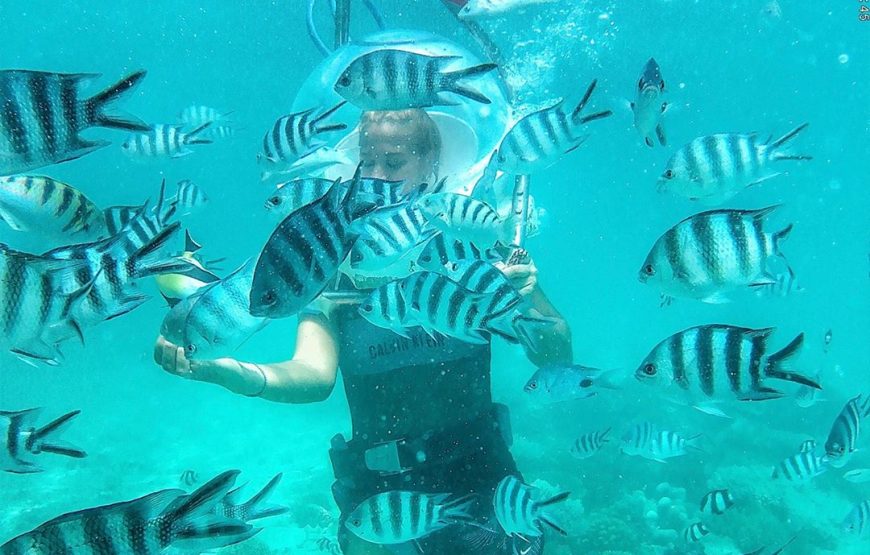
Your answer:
<point x="240" y="377"/>
<point x="524" y="277"/>
<point x="170" y="357"/>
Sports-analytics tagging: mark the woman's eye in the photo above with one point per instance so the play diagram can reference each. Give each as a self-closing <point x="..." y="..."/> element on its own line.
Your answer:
<point x="396" y="164"/>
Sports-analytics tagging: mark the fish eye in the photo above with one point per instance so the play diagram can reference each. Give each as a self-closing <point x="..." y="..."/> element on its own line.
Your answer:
<point x="367" y="307"/>
<point x="355" y="522"/>
<point x="275" y="201"/>
<point x="533" y="385"/>
<point x="269" y="298"/>
<point x="649" y="270"/>
<point x="649" y="369"/>
<point x="669" y="174"/>
<point x="586" y="383"/>
<point x="425" y="258"/>
<point x="345" y="80"/>
<point x="190" y="349"/>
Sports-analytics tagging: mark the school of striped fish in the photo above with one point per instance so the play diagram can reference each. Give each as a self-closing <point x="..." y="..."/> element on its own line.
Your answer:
<point x="441" y="256"/>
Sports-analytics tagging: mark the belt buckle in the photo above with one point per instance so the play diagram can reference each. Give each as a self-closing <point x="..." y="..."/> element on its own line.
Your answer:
<point x="384" y="458"/>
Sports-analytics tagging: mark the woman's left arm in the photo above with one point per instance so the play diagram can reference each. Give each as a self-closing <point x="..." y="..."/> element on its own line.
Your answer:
<point x="547" y="342"/>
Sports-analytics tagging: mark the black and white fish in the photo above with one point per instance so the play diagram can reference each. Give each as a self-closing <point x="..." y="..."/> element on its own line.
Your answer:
<point x="43" y="114"/>
<point x="197" y="114"/>
<point x="394" y="517"/>
<point x="305" y="251"/>
<point x="563" y="382"/>
<point x="648" y="106"/>
<point x="296" y="193"/>
<point x="587" y="445"/>
<point x="45" y="205"/>
<point x="845" y="431"/>
<point x="165" y="141"/>
<point x="386" y="236"/>
<point x="800" y="467"/>
<point x="466" y="218"/>
<point x="390" y="79"/>
<point x="717" y="167"/>
<point x="807" y="446"/>
<point x="477" y="9"/>
<point x="175" y="287"/>
<point x="312" y="164"/>
<point x="385" y="307"/>
<point x="219" y="320"/>
<point x="141" y="223"/>
<point x="720" y="362"/>
<point x="146" y="526"/>
<point x="441" y="250"/>
<point x="254" y="508"/>
<point x="858" y="518"/>
<point x="518" y="514"/>
<point x="21" y="440"/>
<point x="299" y="134"/>
<point x="648" y="441"/>
<point x="716" y="502"/>
<point x="189" y="198"/>
<point x="711" y="254"/>
<point x="539" y="139"/>
<point x="695" y="532"/>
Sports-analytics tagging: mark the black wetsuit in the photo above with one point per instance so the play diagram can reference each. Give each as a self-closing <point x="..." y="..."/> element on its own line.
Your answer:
<point x="389" y="380"/>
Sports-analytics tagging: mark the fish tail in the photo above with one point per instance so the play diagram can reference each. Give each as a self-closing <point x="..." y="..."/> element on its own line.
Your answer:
<point x="46" y="439"/>
<point x="149" y="259"/>
<point x="778" y="363"/>
<point x="458" y="509"/>
<point x="558" y="498"/>
<point x="329" y="127"/>
<point x="194" y="526"/>
<point x="192" y="138"/>
<point x="775" y="147"/>
<point x="546" y="519"/>
<point x="450" y="81"/>
<point x="96" y="105"/>
<point x="781" y="236"/>
<point x="255" y="506"/>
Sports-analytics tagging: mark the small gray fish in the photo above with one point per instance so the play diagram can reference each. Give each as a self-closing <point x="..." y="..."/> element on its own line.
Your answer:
<point x="390" y="79"/>
<point x="563" y="382"/>
<point x="539" y="139"/>
<point x="197" y="114"/>
<point x="165" y="141"/>
<point x="716" y="502"/>
<point x="589" y="444"/>
<point x="800" y="467"/>
<point x="43" y="114"/>
<point x="717" y="167"/>
<point x="476" y="9"/>
<point x="648" y="441"/>
<point x="47" y="206"/>
<point x="189" y="197"/>
<point x="518" y="514"/>
<point x="219" y="320"/>
<point x="843" y="437"/>
<point x="648" y="106"/>
<point x="857" y="475"/>
<point x="151" y="524"/>
<point x="711" y="254"/>
<point x="807" y="446"/>
<point x="695" y="532"/>
<point x="21" y="440"/>
<point x="394" y="517"/>
<point x="858" y="518"/>
<point x="719" y="361"/>
<point x="296" y="135"/>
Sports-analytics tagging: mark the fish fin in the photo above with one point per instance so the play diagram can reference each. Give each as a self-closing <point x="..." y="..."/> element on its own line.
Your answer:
<point x="649" y="142"/>
<point x="596" y="116"/>
<point x="761" y="393"/>
<point x="450" y="81"/>
<point x="762" y="213"/>
<point x="82" y="148"/>
<point x="777" y="364"/>
<point x="149" y="259"/>
<point x="558" y="498"/>
<point x="716" y="298"/>
<point x="781" y="236"/>
<point x="458" y="510"/>
<point x="316" y="123"/>
<point x="660" y="131"/>
<point x="39" y="350"/>
<point x="192" y="138"/>
<point x="711" y="409"/>
<point x="761" y="180"/>
<point x="170" y="301"/>
<point x="549" y="522"/>
<point x="126" y="305"/>
<point x="775" y="146"/>
<point x="96" y="105"/>
<point x="256" y="506"/>
<point x="46" y="438"/>
<point x="576" y="145"/>
<point x="584" y="101"/>
<point x="764" y="280"/>
<point x="190" y="245"/>
<point x="11" y="221"/>
<point x="212" y="531"/>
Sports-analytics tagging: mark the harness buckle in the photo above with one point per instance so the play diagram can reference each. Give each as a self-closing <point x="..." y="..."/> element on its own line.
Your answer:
<point x="384" y="458"/>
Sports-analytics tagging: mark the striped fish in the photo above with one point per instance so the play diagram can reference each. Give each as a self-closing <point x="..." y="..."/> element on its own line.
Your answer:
<point x="518" y="514"/>
<point x="845" y="431"/>
<point x="800" y="467"/>
<point x="37" y="203"/>
<point x="717" y="167"/>
<point x="140" y="221"/>
<point x="296" y="135"/>
<point x="648" y="441"/>
<point x="146" y="526"/>
<point x="43" y="114"/>
<point x="174" y="287"/>
<point x="254" y="508"/>
<point x="587" y="445"/>
<point x="695" y="532"/>
<point x="858" y="518"/>
<point x="305" y="251"/>
<point x="648" y="107"/>
<point x="386" y="236"/>
<point x="21" y="440"/>
<point x="197" y="114"/>
<point x="38" y="300"/>
<point x="711" y="254"/>
<point x="784" y="284"/>
<point x="296" y="193"/>
<point x="390" y="79"/>
<point x="164" y="141"/>
<point x="716" y="502"/>
<point x="466" y="218"/>
<point x="441" y="250"/>
<point x="219" y="320"/>
<point x="719" y="361"/>
<point x="395" y="517"/>
<point x="189" y="197"/>
<point x="385" y="307"/>
<point x="539" y="139"/>
<point x="807" y="446"/>
<point x="312" y="164"/>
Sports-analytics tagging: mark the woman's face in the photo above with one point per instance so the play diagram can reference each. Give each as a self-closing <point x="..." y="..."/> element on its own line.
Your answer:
<point x="388" y="151"/>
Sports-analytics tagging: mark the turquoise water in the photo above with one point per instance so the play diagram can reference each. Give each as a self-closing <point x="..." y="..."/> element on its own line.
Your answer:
<point x="729" y="68"/>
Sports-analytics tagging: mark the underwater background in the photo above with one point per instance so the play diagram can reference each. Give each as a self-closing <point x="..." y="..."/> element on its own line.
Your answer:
<point x="737" y="66"/>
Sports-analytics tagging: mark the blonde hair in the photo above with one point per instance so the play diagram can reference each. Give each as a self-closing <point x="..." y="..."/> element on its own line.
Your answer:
<point x="425" y="138"/>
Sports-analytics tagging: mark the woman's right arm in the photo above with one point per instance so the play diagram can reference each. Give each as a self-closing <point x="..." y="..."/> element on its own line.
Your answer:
<point x="306" y="378"/>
